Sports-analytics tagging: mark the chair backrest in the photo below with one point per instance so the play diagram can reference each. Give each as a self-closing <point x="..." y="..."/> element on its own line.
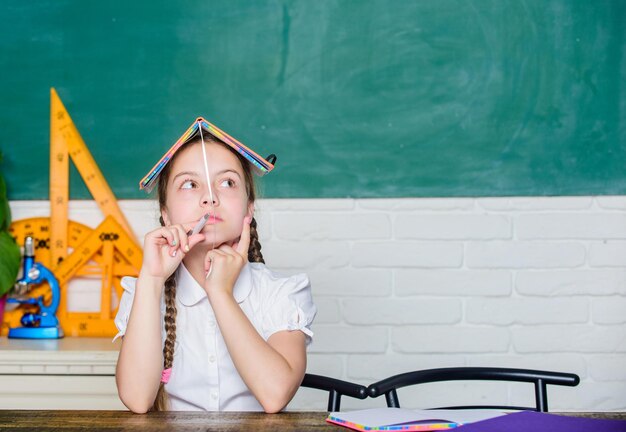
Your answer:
<point x="541" y="379"/>
<point x="335" y="388"/>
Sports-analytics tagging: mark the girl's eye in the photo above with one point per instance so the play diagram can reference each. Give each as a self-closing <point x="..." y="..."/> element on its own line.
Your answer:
<point x="228" y="183"/>
<point x="188" y="184"/>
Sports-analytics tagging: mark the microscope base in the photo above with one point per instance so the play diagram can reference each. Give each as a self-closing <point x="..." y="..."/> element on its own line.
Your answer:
<point x="36" y="333"/>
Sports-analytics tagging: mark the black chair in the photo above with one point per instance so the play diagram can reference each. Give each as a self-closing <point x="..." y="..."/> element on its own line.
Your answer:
<point x="540" y="379"/>
<point x="335" y="388"/>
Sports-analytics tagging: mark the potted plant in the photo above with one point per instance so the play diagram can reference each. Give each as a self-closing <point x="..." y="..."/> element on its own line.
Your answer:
<point x="9" y="251"/>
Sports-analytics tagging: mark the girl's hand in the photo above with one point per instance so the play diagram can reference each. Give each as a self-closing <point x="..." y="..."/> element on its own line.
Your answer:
<point x="164" y="249"/>
<point x="223" y="265"/>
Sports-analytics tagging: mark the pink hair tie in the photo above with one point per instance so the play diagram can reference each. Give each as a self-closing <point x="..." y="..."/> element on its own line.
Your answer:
<point x="165" y="375"/>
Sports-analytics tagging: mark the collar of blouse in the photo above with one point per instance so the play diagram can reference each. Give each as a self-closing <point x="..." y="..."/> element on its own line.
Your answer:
<point x="190" y="292"/>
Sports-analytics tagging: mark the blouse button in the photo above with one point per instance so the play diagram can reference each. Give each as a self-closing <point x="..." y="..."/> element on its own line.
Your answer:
<point x="212" y="358"/>
<point x="211" y="324"/>
<point x="214" y="395"/>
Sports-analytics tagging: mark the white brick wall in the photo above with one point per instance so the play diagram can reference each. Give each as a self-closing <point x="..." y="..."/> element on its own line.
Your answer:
<point x="407" y="284"/>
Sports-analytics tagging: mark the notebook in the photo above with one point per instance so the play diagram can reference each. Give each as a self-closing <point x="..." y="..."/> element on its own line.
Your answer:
<point x="532" y="421"/>
<point x="399" y="419"/>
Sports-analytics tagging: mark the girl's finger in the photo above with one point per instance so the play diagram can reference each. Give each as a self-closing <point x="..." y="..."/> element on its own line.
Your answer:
<point x="181" y="237"/>
<point x="208" y="260"/>
<point x="227" y="249"/>
<point x="208" y="264"/>
<point x="162" y="236"/>
<point x="175" y="243"/>
<point x="244" y="241"/>
<point x="161" y="241"/>
<point x="194" y="240"/>
<point x="172" y="243"/>
<point x="211" y="257"/>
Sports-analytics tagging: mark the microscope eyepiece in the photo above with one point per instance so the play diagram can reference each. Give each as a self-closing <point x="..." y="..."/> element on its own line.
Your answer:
<point x="29" y="247"/>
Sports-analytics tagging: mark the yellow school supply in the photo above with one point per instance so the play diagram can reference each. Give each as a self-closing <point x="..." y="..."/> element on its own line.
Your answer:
<point x="109" y="251"/>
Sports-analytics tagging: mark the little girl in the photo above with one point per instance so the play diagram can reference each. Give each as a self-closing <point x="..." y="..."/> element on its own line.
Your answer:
<point x="206" y="325"/>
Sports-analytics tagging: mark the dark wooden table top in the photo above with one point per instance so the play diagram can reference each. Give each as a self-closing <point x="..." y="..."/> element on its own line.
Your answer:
<point x="164" y="421"/>
<point x="24" y="420"/>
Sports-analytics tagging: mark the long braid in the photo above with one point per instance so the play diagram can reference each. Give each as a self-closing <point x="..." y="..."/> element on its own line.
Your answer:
<point x="254" y="252"/>
<point x="161" y="401"/>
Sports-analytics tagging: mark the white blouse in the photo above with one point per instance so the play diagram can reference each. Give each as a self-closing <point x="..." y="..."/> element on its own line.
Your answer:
<point x="203" y="374"/>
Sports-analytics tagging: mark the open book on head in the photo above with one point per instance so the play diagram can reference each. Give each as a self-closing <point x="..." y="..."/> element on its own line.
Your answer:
<point x="260" y="166"/>
<point x="399" y="419"/>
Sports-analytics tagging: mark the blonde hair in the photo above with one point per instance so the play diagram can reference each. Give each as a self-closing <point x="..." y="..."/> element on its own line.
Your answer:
<point x="161" y="402"/>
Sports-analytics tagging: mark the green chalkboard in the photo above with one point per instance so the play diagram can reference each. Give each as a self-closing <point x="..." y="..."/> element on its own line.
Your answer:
<point x="402" y="98"/>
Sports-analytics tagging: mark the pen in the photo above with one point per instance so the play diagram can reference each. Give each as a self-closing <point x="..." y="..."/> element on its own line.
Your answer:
<point x="199" y="225"/>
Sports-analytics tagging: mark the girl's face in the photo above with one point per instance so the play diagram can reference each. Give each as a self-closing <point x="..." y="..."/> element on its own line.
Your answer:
<point x="188" y="197"/>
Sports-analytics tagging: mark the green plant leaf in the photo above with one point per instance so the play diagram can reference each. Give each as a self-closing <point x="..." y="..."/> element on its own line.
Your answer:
<point x="9" y="262"/>
<point x="5" y="216"/>
<point x="5" y="210"/>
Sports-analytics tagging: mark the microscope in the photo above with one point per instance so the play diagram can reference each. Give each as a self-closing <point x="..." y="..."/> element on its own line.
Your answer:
<point x="42" y="324"/>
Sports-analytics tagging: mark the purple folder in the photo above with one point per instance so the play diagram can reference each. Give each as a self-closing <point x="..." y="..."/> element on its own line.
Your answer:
<point x="532" y="421"/>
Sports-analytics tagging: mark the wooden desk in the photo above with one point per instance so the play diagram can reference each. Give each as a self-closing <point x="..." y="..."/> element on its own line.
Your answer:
<point x="184" y="421"/>
<point x="165" y="421"/>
